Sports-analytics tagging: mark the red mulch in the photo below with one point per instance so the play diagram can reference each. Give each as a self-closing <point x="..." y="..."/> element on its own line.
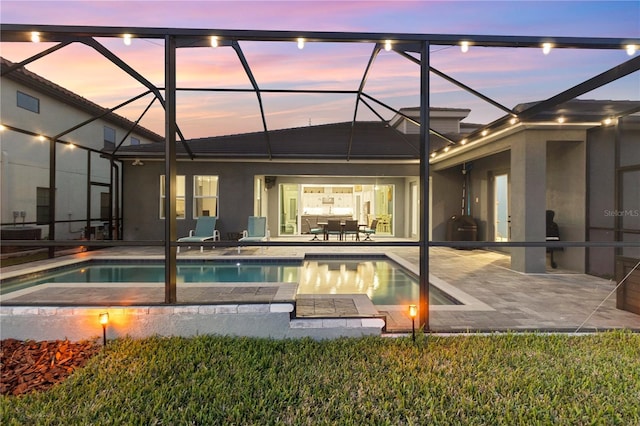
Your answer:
<point x="29" y="366"/>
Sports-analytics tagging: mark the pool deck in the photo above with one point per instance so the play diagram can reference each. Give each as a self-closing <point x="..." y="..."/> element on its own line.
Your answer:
<point x="496" y="298"/>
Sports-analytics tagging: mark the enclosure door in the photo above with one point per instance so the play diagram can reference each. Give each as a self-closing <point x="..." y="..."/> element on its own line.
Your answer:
<point x="501" y="211"/>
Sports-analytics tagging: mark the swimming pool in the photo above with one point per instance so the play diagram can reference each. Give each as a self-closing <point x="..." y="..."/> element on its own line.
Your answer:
<point x="382" y="280"/>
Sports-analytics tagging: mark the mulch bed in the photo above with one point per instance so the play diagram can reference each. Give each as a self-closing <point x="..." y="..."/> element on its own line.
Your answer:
<point x="29" y="366"/>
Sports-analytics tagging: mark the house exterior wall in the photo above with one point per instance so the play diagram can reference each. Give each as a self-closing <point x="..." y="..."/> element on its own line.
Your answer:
<point x="25" y="160"/>
<point x="141" y="191"/>
<point x="613" y="191"/>
<point x="566" y="196"/>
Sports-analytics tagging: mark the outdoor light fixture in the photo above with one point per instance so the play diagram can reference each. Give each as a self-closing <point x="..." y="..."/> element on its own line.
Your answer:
<point x="631" y="49"/>
<point x="104" y="320"/>
<point x="561" y="120"/>
<point x="546" y="48"/>
<point x="413" y="312"/>
<point x="513" y="121"/>
<point x="485" y="132"/>
<point x="35" y="37"/>
<point x="300" y="43"/>
<point x="387" y="45"/>
<point x="2" y="127"/>
<point x="433" y="155"/>
<point x="41" y="138"/>
<point x="214" y="41"/>
<point x="464" y="46"/>
<point x="127" y="39"/>
<point x="463" y="141"/>
<point x="607" y="121"/>
<point x="446" y="149"/>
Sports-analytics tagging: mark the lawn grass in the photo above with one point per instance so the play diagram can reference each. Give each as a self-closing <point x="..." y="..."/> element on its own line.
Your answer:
<point x="505" y="379"/>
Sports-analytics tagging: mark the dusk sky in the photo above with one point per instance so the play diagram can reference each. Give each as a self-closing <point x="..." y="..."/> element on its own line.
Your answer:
<point x="510" y="76"/>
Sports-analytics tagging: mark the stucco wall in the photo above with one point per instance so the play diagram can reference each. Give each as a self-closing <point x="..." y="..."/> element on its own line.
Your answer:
<point x="141" y="213"/>
<point x="566" y="182"/>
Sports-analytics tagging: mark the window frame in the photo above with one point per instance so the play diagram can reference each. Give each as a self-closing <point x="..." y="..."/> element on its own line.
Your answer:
<point x="26" y="105"/>
<point x="196" y="197"/>
<point x="182" y="197"/>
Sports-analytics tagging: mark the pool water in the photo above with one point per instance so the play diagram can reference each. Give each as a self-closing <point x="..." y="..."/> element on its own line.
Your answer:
<point x="385" y="282"/>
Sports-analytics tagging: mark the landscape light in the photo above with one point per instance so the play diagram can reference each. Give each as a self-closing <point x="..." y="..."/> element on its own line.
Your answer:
<point x="413" y="312"/>
<point x="104" y="320"/>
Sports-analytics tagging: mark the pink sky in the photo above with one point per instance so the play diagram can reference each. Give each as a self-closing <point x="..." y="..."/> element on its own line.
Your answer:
<point x="510" y="76"/>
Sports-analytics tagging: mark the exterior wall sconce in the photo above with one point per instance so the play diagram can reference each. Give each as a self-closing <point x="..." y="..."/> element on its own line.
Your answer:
<point x="127" y="39"/>
<point x="300" y="43"/>
<point x="464" y="46"/>
<point x="214" y="41"/>
<point x="387" y="45"/>
<point x="631" y="49"/>
<point x="413" y="312"/>
<point x="35" y="37"/>
<point x="546" y="48"/>
<point x="104" y="320"/>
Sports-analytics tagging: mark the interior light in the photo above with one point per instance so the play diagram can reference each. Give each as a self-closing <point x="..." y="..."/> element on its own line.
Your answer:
<point x="127" y="39"/>
<point x="463" y="141"/>
<point x="546" y="48"/>
<point x="35" y="36"/>
<point x="631" y="49"/>
<point x="387" y="45"/>
<point x="561" y="120"/>
<point x="214" y="41"/>
<point x="464" y="46"/>
<point x="485" y="132"/>
<point x="300" y="43"/>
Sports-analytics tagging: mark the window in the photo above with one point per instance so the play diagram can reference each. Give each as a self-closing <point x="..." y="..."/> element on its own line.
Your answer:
<point x="42" y="206"/>
<point x="180" y="204"/>
<point x="205" y="196"/>
<point x="28" y="102"/>
<point x="109" y="135"/>
<point x="135" y="141"/>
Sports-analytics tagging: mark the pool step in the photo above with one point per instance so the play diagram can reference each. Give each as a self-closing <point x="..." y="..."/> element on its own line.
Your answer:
<point x="335" y="306"/>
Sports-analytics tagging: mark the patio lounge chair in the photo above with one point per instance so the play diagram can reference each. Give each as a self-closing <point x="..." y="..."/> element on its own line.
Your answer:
<point x="256" y="231"/>
<point x="205" y="231"/>
<point x="314" y="231"/>
<point x="371" y="230"/>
